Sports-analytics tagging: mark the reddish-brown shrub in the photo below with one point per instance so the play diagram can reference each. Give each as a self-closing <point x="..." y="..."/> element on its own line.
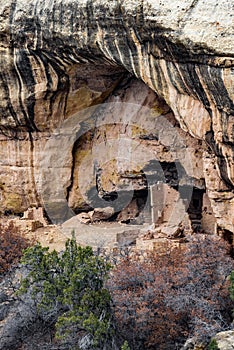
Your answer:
<point x="12" y="244"/>
<point x="160" y="302"/>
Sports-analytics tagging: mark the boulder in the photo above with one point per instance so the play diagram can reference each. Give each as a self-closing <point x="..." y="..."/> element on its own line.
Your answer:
<point x="84" y="218"/>
<point x="99" y="214"/>
<point x="225" y="340"/>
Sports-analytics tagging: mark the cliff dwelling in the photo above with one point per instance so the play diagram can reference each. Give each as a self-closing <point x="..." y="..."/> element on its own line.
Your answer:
<point x="124" y="161"/>
<point x="130" y="121"/>
<point x="132" y="167"/>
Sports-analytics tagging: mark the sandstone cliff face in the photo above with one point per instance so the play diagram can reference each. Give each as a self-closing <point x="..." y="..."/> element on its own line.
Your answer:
<point x="61" y="57"/>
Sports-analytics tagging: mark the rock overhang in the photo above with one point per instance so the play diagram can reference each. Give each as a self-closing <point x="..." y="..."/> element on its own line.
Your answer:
<point x="182" y="50"/>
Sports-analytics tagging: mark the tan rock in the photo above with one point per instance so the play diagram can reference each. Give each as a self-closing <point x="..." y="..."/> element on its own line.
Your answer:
<point x="193" y="344"/>
<point x="127" y="238"/>
<point x="225" y="340"/>
<point x="129" y="212"/>
<point x="84" y="218"/>
<point x="174" y="231"/>
<point x="36" y="214"/>
<point x="27" y="225"/>
<point x="99" y="214"/>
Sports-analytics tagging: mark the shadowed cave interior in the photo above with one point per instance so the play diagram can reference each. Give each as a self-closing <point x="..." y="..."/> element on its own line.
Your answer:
<point x="139" y="208"/>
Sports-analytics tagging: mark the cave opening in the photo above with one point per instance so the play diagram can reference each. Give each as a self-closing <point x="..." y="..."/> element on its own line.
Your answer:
<point x="112" y="182"/>
<point x="228" y="237"/>
<point x="195" y="209"/>
<point x="151" y="182"/>
<point x="140" y="209"/>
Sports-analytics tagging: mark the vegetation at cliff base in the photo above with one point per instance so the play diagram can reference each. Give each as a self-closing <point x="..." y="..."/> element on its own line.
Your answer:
<point x="72" y="282"/>
<point x="152" y="301"/>
<point x="12" y="245"/>
<point x="168" y="297"/>
<point x="213" y="345"/>
<point x="231" y="288"/>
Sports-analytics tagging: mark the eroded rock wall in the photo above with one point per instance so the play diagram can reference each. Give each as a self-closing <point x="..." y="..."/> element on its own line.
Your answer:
<point x="60" y="57"/>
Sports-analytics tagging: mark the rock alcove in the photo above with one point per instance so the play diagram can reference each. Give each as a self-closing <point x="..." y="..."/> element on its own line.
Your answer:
<point x="148" y="185"/>
<point x="55" y="65"/>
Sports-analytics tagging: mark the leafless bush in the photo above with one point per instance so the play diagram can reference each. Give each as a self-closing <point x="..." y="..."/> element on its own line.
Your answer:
<point x="166" y="298"/>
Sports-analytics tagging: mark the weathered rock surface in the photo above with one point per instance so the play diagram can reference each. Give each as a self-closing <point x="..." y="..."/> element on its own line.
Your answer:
<point x="98" y="214"/>
<point x="60" y="57"/>
<point x="193" y="344"/>
<point x="225" y="340"/>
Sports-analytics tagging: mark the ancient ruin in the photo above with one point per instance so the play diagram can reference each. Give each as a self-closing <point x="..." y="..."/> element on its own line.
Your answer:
<point x="133" y="111"/>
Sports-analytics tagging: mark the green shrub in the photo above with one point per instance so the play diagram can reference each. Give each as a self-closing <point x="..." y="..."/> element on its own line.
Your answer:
<point x="74" y="281"/>
<point x="125" y="346"/>
<point x="213" y="345"/>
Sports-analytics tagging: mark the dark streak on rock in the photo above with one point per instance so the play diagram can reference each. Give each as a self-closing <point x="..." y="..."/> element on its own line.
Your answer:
<point x="177" y="51"/>
<point x="214" y="81"/>
<point x="11" y="18"/>
<point x="222" y="164"/>
<point x="3" y="79"/>
<point x="176" y="78"/>
<point x="26" y="75"/>
<point x="193" y="82"/>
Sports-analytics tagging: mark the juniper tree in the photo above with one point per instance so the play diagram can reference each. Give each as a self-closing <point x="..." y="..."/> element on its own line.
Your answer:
<point x="74" y="282"/>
